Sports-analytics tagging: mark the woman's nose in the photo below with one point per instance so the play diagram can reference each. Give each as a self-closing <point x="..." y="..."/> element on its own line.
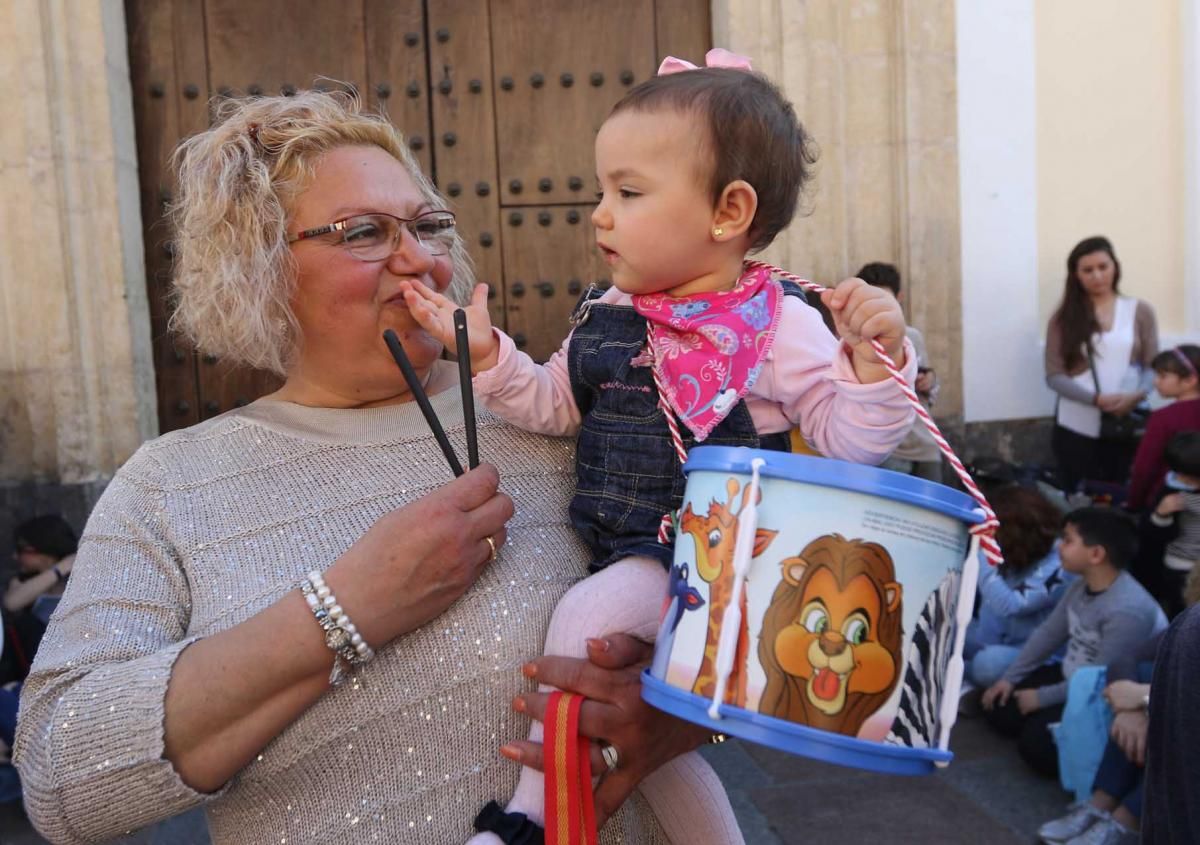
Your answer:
<point x="411" y="257"/>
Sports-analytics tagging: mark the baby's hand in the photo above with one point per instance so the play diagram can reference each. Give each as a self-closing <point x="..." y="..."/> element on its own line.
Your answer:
<point x="435" y="314"/>
<point x="862" y="313"/>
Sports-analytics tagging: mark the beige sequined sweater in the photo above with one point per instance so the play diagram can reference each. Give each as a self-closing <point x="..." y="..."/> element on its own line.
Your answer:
<point x="204" y="527"/>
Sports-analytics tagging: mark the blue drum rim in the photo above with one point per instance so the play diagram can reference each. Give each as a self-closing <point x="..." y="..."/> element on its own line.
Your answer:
<point x="791" y="737"/>
<point x="829" y="472"/>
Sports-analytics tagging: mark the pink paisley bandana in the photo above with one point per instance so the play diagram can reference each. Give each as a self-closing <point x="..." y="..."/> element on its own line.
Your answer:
<point x="709" y="348"/>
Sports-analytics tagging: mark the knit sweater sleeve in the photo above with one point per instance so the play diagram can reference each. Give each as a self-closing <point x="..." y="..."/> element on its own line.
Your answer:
<point x="89" y="744"/>
<point x="1145" y="326"/>
<point x="1045" y="639"/>
<point x="1057" y="377"/>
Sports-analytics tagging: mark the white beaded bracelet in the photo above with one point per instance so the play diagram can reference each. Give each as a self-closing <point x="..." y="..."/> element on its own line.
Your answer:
<point x="341" y="635"/>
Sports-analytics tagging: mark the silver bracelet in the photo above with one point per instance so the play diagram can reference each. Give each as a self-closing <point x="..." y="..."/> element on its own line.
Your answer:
<point x="341" y="635"/>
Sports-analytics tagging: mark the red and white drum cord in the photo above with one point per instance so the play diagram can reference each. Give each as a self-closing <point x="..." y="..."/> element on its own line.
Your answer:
<point x="985" y="530"/>
<point x="664" y="527"/>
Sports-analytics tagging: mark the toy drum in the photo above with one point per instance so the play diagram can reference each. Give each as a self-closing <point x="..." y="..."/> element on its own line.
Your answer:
<point x="818" y="607"/>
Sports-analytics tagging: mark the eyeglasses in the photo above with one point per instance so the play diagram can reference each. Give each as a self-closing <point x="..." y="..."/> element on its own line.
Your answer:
<point x="374" y="237"/>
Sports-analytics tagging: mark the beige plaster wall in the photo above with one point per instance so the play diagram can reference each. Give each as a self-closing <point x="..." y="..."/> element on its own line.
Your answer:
<point x="874" y="82"/>
<point x="76" y="378"/>
<point x="1110" y="144"/>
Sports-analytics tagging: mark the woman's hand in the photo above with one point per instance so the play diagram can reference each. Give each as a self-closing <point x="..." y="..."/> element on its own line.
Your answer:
<point x="614" y="712"/>
<point x="435" y="314"/>
<point x="1118" y="404"/>
<point x="862" y="313"/>
<point x="1128" y="731"/>
<point x="415" y="561"/>
<point x="1126" y="695"/>
<point x="232" y="692"/>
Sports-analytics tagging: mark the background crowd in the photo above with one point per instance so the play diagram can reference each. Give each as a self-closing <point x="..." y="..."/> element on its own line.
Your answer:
<point x="1070" y="652"/>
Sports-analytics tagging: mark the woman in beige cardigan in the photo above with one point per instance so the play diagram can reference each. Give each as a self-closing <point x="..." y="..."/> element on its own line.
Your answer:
<point x="1099" y="345"/>
<point x="204" y="651"/>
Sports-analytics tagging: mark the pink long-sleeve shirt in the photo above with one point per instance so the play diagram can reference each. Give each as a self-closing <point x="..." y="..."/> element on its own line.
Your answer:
<point x="807" y="380"/>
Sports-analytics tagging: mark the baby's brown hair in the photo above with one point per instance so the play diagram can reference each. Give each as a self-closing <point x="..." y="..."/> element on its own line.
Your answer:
<point x="753" y="135"/>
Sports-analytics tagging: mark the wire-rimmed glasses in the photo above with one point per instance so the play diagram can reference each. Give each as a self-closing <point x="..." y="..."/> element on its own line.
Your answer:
<point x="374" y="237"/>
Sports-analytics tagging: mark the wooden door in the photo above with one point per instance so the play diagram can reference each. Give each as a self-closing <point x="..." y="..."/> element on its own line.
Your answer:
<point x="499" y="99"/>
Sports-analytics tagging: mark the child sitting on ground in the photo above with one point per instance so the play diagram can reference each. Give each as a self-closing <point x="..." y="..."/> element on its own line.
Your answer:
<point x="697" y="168"/>
<point x="1102" y="615"/>
<point x="1175" y="522"/>
<point x="1018" y="595"/>
<point x="1176" y="377"/>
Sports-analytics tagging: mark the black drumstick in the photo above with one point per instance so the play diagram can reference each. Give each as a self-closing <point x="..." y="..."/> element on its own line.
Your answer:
<point x="418" y="392"/>
<point x="464" y="381"/>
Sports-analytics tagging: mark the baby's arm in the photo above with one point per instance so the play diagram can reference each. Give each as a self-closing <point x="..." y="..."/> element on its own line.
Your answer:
<point x="814" y="382"/>
<point x="536" y="398"/>
<point x="508" y="382"/>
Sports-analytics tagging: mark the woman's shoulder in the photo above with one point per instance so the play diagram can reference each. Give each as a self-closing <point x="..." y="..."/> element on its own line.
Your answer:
<point x="1143" y="310"/>
<point x="199" y="445"/>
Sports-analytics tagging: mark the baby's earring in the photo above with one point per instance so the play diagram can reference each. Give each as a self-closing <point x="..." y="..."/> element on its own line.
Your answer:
<point x="718" y="232"/>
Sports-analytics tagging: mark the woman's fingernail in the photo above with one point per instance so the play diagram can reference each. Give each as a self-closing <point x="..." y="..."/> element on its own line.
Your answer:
<point x="597" y="643"/>
<point x="518" y="705"/>
<point x="529" y="670"/>
<point x="511" y="752"/>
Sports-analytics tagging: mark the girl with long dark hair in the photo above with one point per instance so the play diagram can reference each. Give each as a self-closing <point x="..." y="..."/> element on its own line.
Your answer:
<point x="1099" y="345"/>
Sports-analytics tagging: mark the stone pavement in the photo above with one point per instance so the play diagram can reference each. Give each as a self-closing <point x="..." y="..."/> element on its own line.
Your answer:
<point x="985" y="797"/>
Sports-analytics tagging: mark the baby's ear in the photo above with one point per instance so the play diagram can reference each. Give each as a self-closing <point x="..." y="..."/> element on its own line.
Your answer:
<point x="735" y="210"/>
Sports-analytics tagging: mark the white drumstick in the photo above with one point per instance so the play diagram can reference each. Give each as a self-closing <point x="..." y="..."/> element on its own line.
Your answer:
<point x="731" y="622"/>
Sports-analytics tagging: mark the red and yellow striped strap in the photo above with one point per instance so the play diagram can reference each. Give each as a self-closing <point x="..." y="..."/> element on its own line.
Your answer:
<point x="570" y="812"/>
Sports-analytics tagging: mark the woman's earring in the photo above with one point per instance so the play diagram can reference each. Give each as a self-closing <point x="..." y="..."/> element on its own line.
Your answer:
<point x="718" y="231"/>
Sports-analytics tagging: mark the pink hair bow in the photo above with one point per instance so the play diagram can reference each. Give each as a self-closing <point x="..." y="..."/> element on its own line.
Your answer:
<point x="716" y="57"/>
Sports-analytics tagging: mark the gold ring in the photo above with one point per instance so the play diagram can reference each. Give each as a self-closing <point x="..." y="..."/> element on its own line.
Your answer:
<point x="611" y="758"/>
<point x="491" y="545"/>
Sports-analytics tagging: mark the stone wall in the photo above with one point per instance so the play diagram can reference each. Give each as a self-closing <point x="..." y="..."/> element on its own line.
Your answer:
<point x="76" y="377"/>
<point x="874" y="83"/>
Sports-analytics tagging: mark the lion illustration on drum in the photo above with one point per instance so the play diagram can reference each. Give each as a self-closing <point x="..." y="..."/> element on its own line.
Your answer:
<point x="831" y="637"/>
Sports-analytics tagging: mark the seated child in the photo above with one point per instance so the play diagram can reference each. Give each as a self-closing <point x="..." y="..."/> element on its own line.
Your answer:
<point x="696" y="169"/>
<point x="1175" y="521"/>
<point x="1018" y="595"/>
<point x="1175" y="377"/>
<point x="1102" y="615"/>
<point x="1113" y="812"/>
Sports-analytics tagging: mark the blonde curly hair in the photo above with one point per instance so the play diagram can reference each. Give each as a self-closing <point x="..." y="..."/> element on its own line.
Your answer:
<point x="234" y="271"/>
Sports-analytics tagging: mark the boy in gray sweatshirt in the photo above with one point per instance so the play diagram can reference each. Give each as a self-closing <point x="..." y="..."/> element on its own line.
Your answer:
<point x="1102" y="615"/>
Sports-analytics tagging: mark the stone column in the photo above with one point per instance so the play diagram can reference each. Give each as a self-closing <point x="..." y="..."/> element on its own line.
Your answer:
<point x="76" y="374"/>
<point x="874" y="83"/>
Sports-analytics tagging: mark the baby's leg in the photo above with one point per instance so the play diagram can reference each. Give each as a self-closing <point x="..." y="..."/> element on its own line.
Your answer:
<point x="690" y="803"/>
<point x="624" y="597"/>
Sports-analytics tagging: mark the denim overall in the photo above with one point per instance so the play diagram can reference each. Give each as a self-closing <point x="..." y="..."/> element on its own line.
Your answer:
<point x="627" y="473"/>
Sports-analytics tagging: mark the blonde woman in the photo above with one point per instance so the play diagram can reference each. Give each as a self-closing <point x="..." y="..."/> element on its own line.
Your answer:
<point x="204" y="651"/>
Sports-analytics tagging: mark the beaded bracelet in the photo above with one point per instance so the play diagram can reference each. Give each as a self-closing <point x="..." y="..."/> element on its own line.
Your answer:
<point x="341" y="635"/>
